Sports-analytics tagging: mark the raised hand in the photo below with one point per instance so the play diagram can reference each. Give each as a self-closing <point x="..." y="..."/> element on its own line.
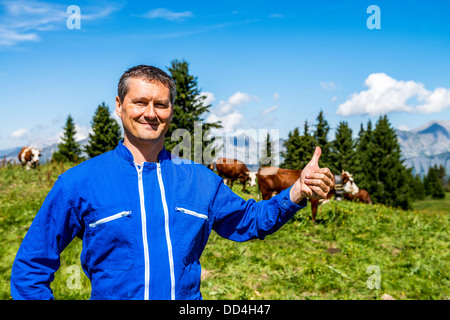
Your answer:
<point x="314" y="182"/>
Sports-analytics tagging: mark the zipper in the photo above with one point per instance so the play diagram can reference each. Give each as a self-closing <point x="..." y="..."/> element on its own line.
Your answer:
<point x="192" y="213"/>
<point x="166" y="219"/>
<point x="144" y="232"/>
<point x="110" y="218"/>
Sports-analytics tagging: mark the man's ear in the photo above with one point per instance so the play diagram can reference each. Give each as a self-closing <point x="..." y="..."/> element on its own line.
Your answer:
<point x="171" y="115"/>
<point x="118" y="107"/>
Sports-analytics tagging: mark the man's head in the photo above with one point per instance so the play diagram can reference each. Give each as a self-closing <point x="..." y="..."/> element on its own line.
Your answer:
<point x="145" y="103"/>
<point x="149" y="74"/>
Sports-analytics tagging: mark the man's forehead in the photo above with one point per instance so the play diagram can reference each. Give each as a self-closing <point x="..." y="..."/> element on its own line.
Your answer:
<point x="139" y="86"/>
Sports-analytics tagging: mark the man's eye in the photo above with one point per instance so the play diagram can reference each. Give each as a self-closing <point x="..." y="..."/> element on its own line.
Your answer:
<point x="141" y="103"/>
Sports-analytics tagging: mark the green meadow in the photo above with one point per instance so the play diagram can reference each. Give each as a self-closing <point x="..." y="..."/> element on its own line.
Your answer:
<point x="351" y="248"/>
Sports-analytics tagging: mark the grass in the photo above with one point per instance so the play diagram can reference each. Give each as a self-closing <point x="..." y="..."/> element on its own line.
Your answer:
<point x="434" y="205"/>
<point x="326" y="260"/>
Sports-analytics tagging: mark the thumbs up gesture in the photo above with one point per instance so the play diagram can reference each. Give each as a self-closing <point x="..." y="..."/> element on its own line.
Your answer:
<point x="314" y="182"/>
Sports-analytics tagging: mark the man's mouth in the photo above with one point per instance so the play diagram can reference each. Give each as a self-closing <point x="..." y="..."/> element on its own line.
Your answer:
<point x="151" y="124"/>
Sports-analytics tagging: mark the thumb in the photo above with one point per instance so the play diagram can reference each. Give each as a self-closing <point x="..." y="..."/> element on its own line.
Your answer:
<point x="316" y="156"/>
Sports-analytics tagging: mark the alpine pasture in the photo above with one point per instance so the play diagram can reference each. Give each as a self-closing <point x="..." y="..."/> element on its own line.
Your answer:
<point x="353" y="251"/>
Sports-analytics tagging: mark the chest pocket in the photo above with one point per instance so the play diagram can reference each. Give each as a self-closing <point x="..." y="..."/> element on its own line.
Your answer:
<point x="193" y="222"/>
<point x="110" y="243"/>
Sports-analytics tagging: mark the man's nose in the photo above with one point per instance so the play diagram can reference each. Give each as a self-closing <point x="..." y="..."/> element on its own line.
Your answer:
<point x="150" y="111"/>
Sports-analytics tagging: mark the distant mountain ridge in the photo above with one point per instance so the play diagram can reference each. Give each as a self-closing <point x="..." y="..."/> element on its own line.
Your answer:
<point x="426" y="146"/>
<point x="422" y="148"/>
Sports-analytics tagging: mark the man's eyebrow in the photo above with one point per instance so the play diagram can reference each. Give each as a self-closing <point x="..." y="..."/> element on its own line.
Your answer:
<point x="163" y="101"/>
<point x="139" y="98"/>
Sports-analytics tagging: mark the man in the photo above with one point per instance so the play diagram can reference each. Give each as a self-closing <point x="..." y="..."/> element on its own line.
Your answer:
<point x="145" y="216"/>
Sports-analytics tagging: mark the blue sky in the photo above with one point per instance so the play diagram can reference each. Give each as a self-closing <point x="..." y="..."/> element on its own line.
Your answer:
<point x="262" y="64"/>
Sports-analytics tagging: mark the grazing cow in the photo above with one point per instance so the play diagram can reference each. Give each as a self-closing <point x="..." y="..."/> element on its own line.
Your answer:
<point x="351" y="190"/>
<point x="272" y="180"/>
<point x="232" y="169"/>
<point x="29" y="157"/>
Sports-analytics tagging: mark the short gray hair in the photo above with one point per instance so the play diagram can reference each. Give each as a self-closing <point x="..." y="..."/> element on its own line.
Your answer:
<point x="146" y="73"/>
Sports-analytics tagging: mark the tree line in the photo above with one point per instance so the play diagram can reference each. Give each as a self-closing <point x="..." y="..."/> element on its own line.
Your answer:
<point x="373" y="157"/>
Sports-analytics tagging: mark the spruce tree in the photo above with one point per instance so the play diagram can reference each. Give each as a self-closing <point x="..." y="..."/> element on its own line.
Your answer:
<point x="266" y="158"/>
<point x="299" y="149"/>
<point x="433" y="183"/>
<point x="390" y="176"/>
<point x="68" y="150"/>
<point x="418" y="188"/>
<point x="307" y="146"/>
<point x="189" y="107"/>
<point x="106" y="132"/>
<point x="363" y="171"/>
<point x="343" y="151"/>
<point x="292" y="155"/>
<point x="321" y="140"/>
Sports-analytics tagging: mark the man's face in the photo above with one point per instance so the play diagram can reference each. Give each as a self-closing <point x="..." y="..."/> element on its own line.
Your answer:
<point x="146" y="110"/>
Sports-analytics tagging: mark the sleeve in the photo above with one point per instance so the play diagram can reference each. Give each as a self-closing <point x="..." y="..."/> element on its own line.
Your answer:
<point x="38" y="258"/>
<point x="240" y="220"/>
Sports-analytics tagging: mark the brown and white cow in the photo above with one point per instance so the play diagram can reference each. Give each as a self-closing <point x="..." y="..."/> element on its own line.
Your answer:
<point x="273" y="180"/>
<point x="29" y="157"/>
<point x="351" y="190"/>
<point x="233" y="169"/>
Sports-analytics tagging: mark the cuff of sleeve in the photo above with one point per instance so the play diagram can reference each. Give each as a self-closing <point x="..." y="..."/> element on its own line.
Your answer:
<point x="286" y="203"/>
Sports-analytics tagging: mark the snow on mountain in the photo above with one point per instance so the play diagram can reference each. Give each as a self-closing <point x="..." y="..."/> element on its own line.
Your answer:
<point x="426" y="146"/>
<point x="422" y="148"/>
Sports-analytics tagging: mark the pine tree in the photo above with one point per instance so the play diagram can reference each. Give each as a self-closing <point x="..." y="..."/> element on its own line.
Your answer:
<point x="68" y="150"/>
<point x="189" y="107"/>
<point x="363" y="171"/>
<point x="307" y="146"/>
<point x="292" y="156"/>
<point x="418" y="188"/>
<point x="433" y="183"/>
<point x="299" y="149"/>
<point x="343" y="151"/>
<point x="387" y="171"/>
<point x="321" y="140"/>
<point x="106" y="132"/>
<point x="266" y="158"/>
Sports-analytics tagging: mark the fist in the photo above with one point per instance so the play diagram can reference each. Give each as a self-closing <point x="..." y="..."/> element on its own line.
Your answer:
<point x="314" y="182"/>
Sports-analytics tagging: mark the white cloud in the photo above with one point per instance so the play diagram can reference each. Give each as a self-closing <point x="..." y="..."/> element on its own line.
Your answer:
<point x="19" y="134"/>
<point x="22" y="21"/>
<point x="403" y="127"/>
<point x="168" y="14"/>
<point x="328" y="85"/>
<point x="385" y="94"/>
<point x="227" y="111"/>
<point x="269" y="110"/>
<point x="239" y="98"/>
<point x="276" y="15"/>
<point x="209" y="98"/>
<point x="276" y="96"/>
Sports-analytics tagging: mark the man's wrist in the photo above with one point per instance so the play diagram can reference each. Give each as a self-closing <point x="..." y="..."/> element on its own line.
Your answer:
<point x="296" y="196"/>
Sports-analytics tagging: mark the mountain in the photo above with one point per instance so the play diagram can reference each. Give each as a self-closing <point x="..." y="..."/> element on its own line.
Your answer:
<point x="422" y="148"/>
<point x="11" y="155"/>
<point x="426" y="146"/>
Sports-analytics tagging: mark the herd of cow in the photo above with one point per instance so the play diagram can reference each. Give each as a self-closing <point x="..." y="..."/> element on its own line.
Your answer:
<point x="271" y="180"/>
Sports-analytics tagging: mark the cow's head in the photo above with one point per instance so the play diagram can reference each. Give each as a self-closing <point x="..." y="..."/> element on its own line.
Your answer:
<point x="252" y="178"/>
<point x="35" y="154"/>
<point x="349" y="184"/>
